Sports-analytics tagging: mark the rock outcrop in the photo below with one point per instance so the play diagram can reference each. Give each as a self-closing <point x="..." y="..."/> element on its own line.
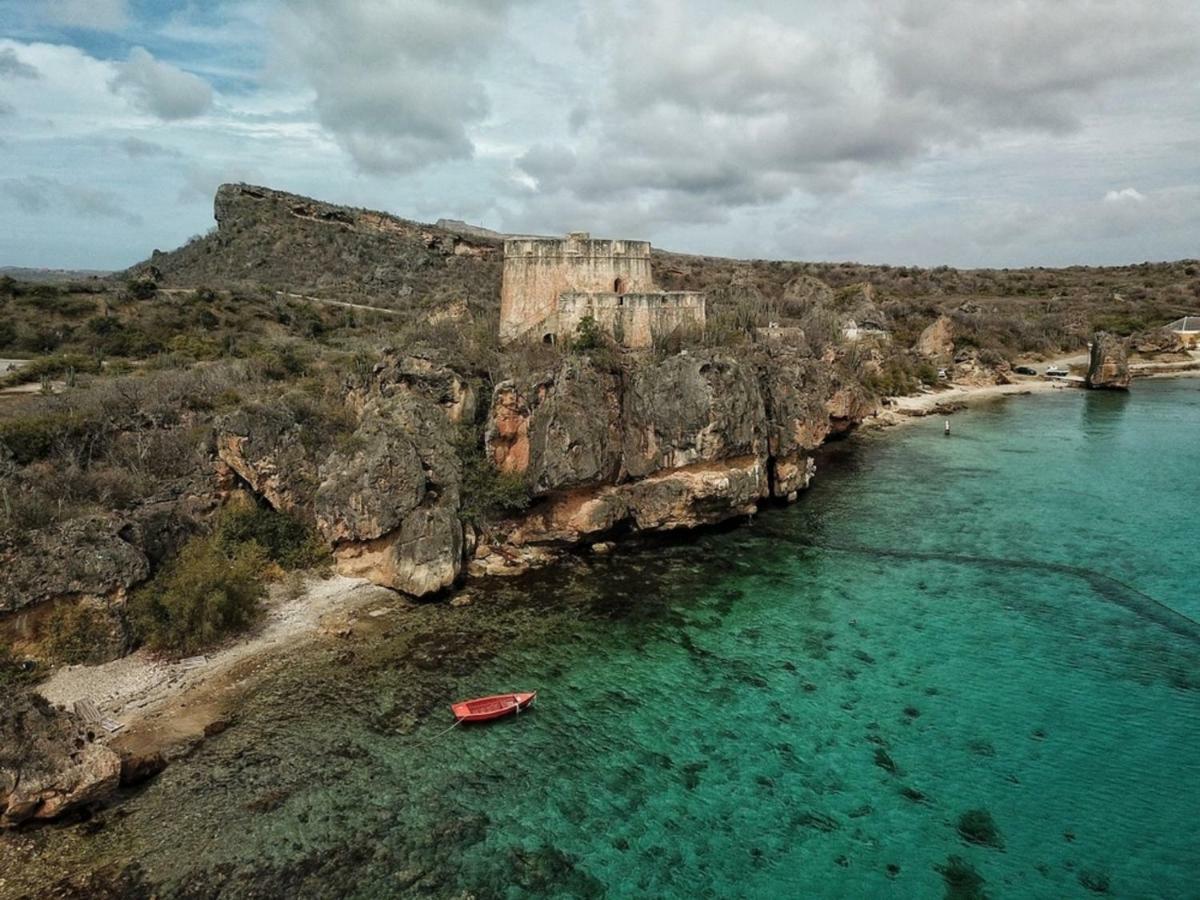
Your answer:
<point x="420" y="372"/>
<point x="1108" y="365"/>
<point x="49" y="766"/>
<point x="690" y="440"/>
<point x="691" y="408"/>
<point x="937" y="340"/>
<point x="700" y="438"/>
<point x="94" y="557"/>
<point x="266" y="446"/>
<point x="389" y="501"/>
<point x="560" y="430"/>
<point x="804" y="293"/>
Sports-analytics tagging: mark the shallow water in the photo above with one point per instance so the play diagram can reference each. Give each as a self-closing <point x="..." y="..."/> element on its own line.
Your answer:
<point x="1004" y="620"/>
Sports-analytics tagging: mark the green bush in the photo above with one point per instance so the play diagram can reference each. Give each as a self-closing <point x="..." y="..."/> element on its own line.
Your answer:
<point x="31" y="438"/>
<point x="587" y="336"/>
<point x="142" y="289"/>
<point x="285" y="540"/>
<point x="76" y="633"/>
<point x="12" y="673"/>
<point x="200" y="597"/>
<point x="52" y="367"/>
<point x="487" y="493"/>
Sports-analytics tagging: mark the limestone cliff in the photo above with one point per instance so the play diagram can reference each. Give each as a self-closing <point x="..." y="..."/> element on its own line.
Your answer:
<point x="1108" y="366"/>
<point x="689" y="440"/>
<point x="936" y="342"/>
<point x="699" y="438"/>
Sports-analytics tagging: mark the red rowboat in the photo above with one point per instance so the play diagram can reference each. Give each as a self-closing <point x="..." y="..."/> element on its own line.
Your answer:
<point x="482" y="709"/>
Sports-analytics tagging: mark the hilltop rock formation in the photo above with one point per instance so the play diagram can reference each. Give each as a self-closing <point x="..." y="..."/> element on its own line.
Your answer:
<point x="1108" y="365"/>
<point x="48" y="764"/>
<point x="280" y="241"/>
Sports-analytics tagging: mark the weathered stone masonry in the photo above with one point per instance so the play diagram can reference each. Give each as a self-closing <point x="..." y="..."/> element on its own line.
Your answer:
<point x="550" y="285"/>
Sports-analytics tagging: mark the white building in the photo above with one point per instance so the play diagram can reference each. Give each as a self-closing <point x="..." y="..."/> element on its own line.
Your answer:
<point x="1188" y="328"/>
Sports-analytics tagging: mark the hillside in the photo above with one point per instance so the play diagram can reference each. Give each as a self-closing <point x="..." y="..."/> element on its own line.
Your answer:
<point x="278" y="241"/>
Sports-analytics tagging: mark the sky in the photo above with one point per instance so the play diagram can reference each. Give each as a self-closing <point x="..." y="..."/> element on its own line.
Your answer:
<point x="909" y="132"/>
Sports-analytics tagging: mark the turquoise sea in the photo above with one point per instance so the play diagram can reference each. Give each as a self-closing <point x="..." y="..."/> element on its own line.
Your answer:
<point x="993" y="633"/>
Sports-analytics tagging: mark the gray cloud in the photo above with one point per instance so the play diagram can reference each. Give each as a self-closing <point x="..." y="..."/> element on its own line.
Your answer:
<point x="1021" y="65"/>
<point x="744" y="107"/>
<point x="31" y="194"/>
<point x="96" y="15"/>
<point x="397" y="85"/>
<point x="35" y="195"/>
<point x="160" y="88"/>
<point x="136" y="148"/>
<point x="11" y="65"/>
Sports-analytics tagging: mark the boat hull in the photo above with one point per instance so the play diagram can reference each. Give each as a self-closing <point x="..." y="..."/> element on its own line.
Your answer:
<point x="484" y="709"/>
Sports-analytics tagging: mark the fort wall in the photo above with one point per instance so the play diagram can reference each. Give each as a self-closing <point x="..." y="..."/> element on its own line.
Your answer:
<point x="538" y="271"/>
<point x="634" y="319"/>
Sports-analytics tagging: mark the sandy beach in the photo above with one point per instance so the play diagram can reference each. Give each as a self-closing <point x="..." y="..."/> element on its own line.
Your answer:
<point x="164" y="703"/>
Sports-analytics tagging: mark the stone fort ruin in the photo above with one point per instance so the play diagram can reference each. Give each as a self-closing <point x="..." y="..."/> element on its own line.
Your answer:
<point x="550" y="285"/>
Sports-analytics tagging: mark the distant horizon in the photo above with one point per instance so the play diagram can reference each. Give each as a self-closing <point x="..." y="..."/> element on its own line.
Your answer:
<point x="908" y="132"/>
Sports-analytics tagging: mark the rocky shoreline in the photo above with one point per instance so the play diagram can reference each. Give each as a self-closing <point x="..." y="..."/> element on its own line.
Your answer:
<point x="166" y="709"/>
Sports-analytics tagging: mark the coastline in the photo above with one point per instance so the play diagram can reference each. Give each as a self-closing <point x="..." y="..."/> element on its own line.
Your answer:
<point x="168" y="706"/>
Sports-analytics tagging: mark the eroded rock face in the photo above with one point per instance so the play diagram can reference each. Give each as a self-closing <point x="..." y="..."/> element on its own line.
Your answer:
<point x="937" y="340"/>
<point x="265" y="446"/>
<point x="702" y="438"/>
<point x="1108" y="365"/>
<point x="560" y="430"/>
<point x="48" y="767"/>
<point x="1158" y="341"/>
<point x="368" y="488"/>
<point x="420" y="372"/>
<point x="797" y="392"/>
<point x="93" y="557"/>
<point x="688" y="409"/>
<point x="389" y="502"/>
<point x="423" y="556"/>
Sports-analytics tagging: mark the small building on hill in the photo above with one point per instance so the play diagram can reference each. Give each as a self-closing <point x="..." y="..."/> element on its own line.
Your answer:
<point x="550" y="285"/>
<point x="1188" y="329"/>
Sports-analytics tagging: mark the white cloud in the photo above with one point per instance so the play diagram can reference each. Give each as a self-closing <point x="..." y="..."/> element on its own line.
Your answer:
<point x="396" y="84"/>
<point x="1125" y="196"/>
<point x="744" y="106"/>
<point x="12" y="66"/>
<point x="97" y="15"/>
<point x="160" y="88"/>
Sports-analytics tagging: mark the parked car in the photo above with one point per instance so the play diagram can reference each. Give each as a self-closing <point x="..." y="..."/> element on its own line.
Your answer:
<point x="1056" y="372"/>
<point x="1025" y="370"/>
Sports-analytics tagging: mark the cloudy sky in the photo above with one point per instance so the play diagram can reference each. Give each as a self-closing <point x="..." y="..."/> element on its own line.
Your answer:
<point x="991" y="133"/>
